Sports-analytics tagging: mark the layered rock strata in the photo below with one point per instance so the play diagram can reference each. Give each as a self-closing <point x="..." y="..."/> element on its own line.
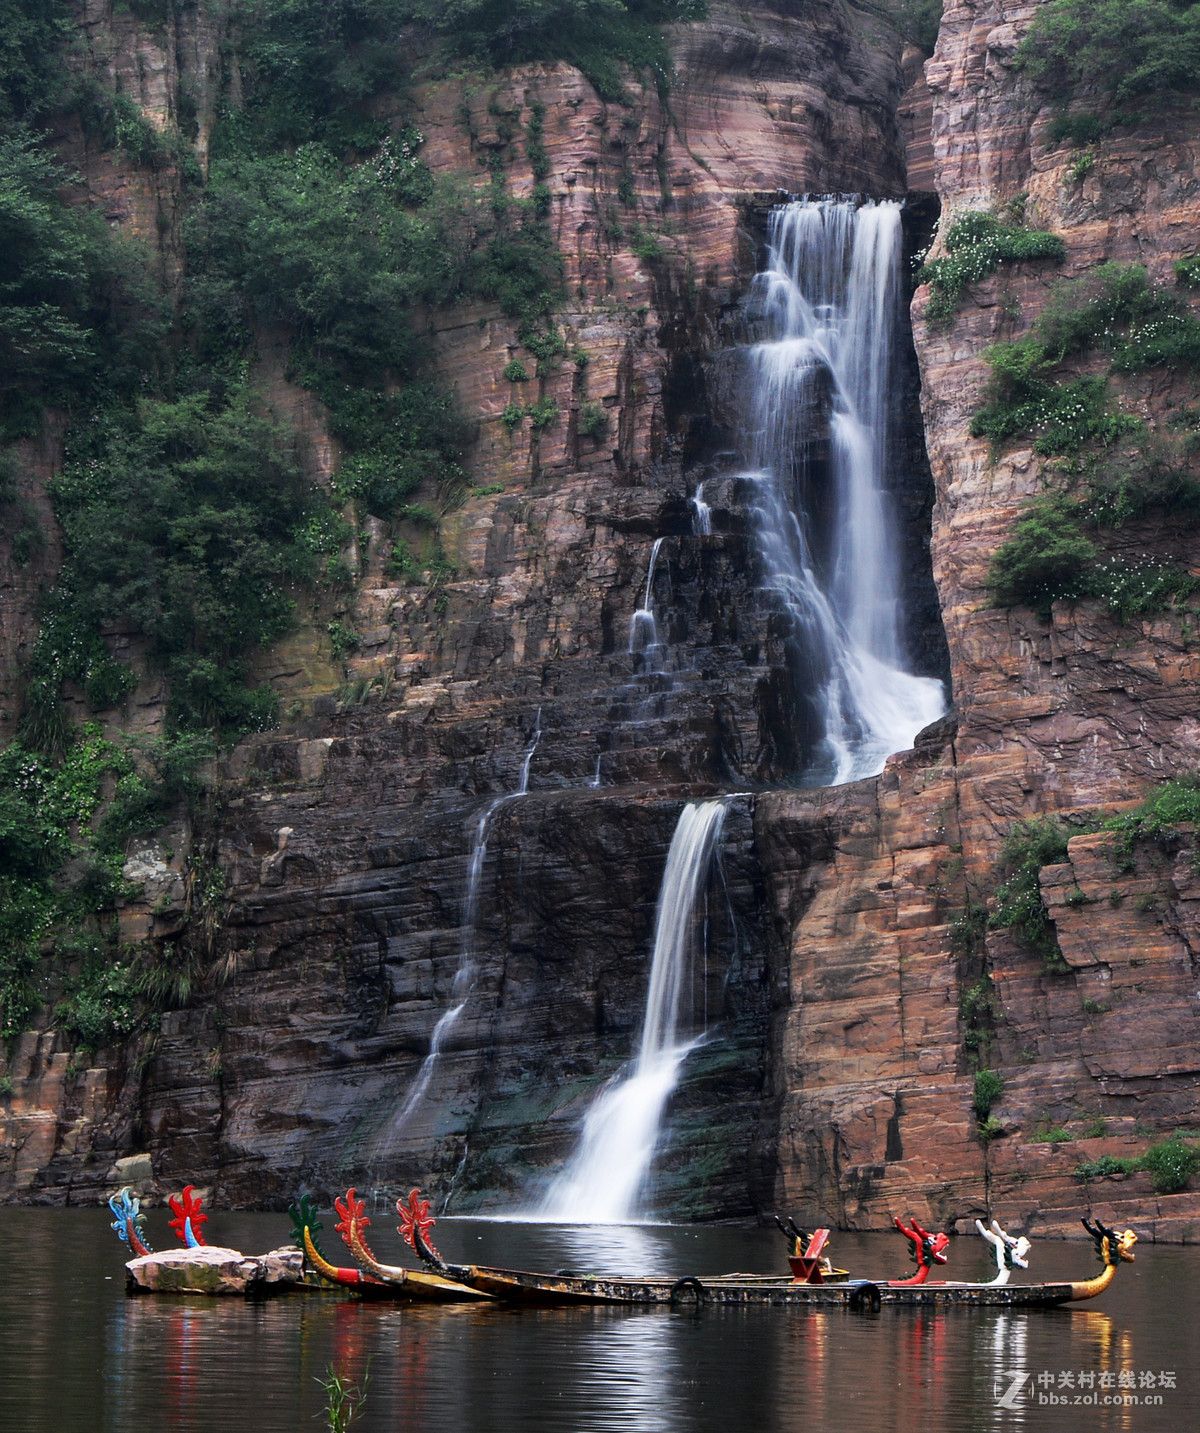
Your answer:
<point x="1084" y="712"/>
<point x="840" y="1081"/>
<point x="344" y="842"/>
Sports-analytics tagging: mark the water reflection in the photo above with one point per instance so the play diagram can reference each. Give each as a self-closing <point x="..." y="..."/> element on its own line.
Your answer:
<point x="76" y="1355"/>
<point x="630" y="1249"/>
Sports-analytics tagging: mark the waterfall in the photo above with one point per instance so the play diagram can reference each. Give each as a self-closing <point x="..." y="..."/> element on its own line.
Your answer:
<point x="464" y="976"/>
<point x="604" y="1180"/>
<point x="643" y="631"/>
<point x="703" y="512"/>
<point x="817" y="436"/>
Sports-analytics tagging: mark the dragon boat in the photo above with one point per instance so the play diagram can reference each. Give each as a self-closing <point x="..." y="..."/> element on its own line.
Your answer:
<point x="810" y="1285"/>
<point x="375" y="1280"/>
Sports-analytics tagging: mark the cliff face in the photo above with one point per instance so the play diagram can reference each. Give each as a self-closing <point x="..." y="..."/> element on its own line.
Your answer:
<point x="840" y="1077"/>
<point x="345" y="839"/>
<point x="1082" y="712"/>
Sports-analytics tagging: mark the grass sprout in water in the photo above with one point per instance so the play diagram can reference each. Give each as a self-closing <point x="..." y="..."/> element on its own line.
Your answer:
<point x="343" y="1397"/>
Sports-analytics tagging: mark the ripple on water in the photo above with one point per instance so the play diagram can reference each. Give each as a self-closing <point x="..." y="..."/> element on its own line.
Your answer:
<point x="77" y="1356"/>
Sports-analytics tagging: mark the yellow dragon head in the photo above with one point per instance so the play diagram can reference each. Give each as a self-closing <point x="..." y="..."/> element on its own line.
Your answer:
<point x="1111" y="1247"/>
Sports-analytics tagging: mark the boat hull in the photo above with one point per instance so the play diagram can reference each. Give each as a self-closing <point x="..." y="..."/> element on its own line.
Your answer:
<point x="515" y="1286"/>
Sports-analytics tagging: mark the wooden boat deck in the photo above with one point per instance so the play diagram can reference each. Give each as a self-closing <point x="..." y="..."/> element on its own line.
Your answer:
<point x="516" y="1286"/>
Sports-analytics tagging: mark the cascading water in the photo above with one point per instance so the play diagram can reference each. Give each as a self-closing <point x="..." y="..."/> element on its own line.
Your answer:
<point x="817" y="432"/>
<point x="702" y="511"/>
<point x="603" y="1182"/>
<point x="827" y="309"/>
<point x="464" y="976"/>
<point x="643" y="630"/>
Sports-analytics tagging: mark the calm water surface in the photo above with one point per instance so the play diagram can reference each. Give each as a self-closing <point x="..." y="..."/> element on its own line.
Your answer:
<point x="76" y="1354"/>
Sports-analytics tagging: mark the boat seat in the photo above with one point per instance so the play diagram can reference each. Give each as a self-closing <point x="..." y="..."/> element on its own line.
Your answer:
<point x="806" y="1267"/>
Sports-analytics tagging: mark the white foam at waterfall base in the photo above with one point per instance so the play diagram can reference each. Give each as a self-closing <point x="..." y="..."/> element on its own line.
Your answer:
<point x="828" y="307"/>
<point x="604" y="1181"/>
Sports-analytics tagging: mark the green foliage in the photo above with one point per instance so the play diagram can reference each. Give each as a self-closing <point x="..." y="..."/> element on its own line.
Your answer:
<point x="1052" y="1135"/>
<point x="134" y="135"/>
<point x="1113" y="308"/>
<point x="1030" y="845"/>
<point x="516" y="372"/>
<point x="975" y="1004"/>
<point x="344" y="1399"/>
<point x="599" y="37"/>
<point x="535" y="141"/>
<point x="1083" y="166"/>
<point x="312" y="67"/>
<point x="1098" y="308"/>
<point x="989" y="1086"/>
<point x="402" y="563"/>
<point x="512" y="416"/>
<point x="76" y="311"/>
<point x="1150" y="476"/>
<point x="325" y="248"/>
<point x="1062" y="416"/>
<point x="420" y="514"/>
<point x="163" y="774"/>
<point x="644" y="243"/>
<point x="397" y="441"/>
<point x="1174" y="804"/>
<point x="543" y="413"/>
<point x="1044" y="559"/>
<point x="519" y="266"/>
<point x="1134" y="589"/>
<point x="1187" y="272"/>
<point x="344" y="640"/>
<point x="968" y="930"/>
<point x="1105" y="1167"/>
<point x="1048" y="558"/>
<point x="46" y="810"/>
<point x="179" y="520"/>
<point x="169" y="977"/>
<point x="547" y="345"/>
<point x="1129" y="49"/>
<point x="976" y="245"/>
<point x="33" y="35"/>
<point x="1170" y="1164"/>
<point x="103" y="1008"/>
<point x="1076" y="128"/>
<point x="990" y="1129"/>
<point x="594" y="421"/>
<point x="917" y="21"/>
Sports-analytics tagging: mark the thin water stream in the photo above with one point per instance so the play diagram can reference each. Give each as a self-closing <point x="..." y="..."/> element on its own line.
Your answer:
<point x="464" y="976"/>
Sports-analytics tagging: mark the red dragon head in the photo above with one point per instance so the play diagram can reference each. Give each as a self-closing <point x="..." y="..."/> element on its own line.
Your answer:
<point x="353" y="1212"/>
<point x="927" y="1249"/>
<point x="415" y="1216"/>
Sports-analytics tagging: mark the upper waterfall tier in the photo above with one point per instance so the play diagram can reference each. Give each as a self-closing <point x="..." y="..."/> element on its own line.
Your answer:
<point x="818" y="437"/>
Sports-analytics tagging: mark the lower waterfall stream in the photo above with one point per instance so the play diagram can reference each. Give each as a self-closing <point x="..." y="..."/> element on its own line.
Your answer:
<point x="603" y="1182"/>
